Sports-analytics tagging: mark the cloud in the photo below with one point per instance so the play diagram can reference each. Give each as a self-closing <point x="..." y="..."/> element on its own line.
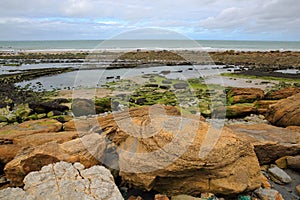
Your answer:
<point x="231" y="19"/>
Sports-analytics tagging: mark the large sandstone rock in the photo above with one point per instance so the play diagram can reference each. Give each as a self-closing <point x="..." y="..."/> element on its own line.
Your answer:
<point x="66" y="181"/>
<point x="244" y="95"/>
<point x="84" y="150"/>
<point x="160" y="150"/>
<point x="286" y="112"/>
<point x="282" y="93"/>
<point x="270" y="142"/>
<point x="14" y="138"/>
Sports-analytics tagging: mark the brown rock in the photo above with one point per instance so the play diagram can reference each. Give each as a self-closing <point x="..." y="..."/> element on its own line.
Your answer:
<point x="175" y="155"/>
<point x="265" y="182"/>
<point x="161" y="197"/>
<point x="298" y="189"/>
<point x="244" y="95"/>
<point x="240" y="110"/>
<point x="72" y="151"/>
<point x="286" y="112"/>
<point x="135" y="198"/>
<point x="282" y="162"/>
<point x="263" y="105"/>
<point x="13" y="138"/>
<point x="293" y="162"/>
<point x="282" y="93"/>
<point x="270" y="142"/>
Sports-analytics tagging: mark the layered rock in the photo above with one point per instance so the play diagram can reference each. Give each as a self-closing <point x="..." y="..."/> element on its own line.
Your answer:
<point x="175" y="155"/>
<point x="282" y="93"/>
<point x="83" y="150"/>
<point x="66" y="181"/>
<point x="270" y="142"/>
<point x="244" y="95"/>
<point x="14" y="138"/>
<point x="286" y="112"/>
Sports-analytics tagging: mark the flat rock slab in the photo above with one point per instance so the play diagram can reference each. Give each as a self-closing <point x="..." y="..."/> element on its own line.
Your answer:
<point x="270" y="142"/>
<point x="66" y="181"/>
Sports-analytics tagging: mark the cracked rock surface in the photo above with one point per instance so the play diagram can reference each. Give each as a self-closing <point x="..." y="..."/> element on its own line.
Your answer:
<point x="64" y="180"/>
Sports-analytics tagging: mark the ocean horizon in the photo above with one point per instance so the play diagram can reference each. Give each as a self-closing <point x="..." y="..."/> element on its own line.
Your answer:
<point x="207" y="45"/>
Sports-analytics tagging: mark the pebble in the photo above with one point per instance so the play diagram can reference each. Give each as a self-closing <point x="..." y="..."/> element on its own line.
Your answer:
<point x="278" y="175"/>
<point x="268" y="194"/>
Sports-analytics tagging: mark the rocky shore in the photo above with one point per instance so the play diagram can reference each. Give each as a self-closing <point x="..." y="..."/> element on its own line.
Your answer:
<point x="153" y="139"/>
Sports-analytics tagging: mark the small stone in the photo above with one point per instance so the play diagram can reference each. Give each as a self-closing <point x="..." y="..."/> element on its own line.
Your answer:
<point x="282" y="162"/>
<point x="268" y="194"/>
<point x="135" y="198"/>
<point x="278" y="175"/>
<point x="78" y="166"/>
<point x="160" y="197"/>
<point x="265" y="182"/>
<point x="184" y="197"/>
<point x="298" y="189"/>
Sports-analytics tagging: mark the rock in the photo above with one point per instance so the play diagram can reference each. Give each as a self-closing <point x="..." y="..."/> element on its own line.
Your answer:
<point x="298" y="189"/>
<point x="15" y="193"/>
<point x="282" y="162"/>
<point x="268" y="194"/>
<point x="293" y="162"/>
<point x="38" y="126"/>
<point x="66" y="181"/>
<point x="240" y="110"/>
<point x="282" y="93"/>
<point x="244" y="95"/>
<point x="234" y="111"/>
<point x="184" y="197"/>
<point x="84" y="150"/>
<point x="23" y="111"/>
<point x="135" y="198"/>
<point x="83" y="107"/>
<point x="180" y="85"/>
<point x="270" y="142"/>
<point x="286" y="112"/>
<point x="230" y="167"/>
<point x="160" y="197"/>
<point x="45" y="107"/>
<point x="11" y="117"/>
<point x="265" y="182"/>
<point x="3" y="119"/>
<point x="63" y="118"/>
<point x="263" y="105"/>
<point x="278" y="175"/>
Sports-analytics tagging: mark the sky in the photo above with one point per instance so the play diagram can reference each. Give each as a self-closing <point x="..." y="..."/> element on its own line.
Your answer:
<point x="195" y="19"/>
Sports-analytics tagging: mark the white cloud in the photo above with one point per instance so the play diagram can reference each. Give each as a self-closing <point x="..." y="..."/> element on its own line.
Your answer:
<point x="205" y="18"/>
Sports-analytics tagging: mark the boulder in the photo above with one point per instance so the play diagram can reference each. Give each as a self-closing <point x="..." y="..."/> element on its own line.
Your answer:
<point x="66" y="181"/>
<point x="263" y="105"/>
<point x="159" y="149"/>
<point x="14" y="138"/>
<point x="278" y="175"/>
<point x="286" y="112"/>
<point x="77" y="150"/>
<point x="83" y="107"/>
<point x="293" y="162"/>
<point x="234" y="111"/>
<point x="282" y="93"/>
<point x="45" y="107"/>
<point x="270" y="142"/>
<point x="244" y="95"/>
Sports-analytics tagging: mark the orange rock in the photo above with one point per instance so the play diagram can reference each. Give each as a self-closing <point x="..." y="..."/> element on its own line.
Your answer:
<point x="161" y="197"/>
<point x="265" y="182"/>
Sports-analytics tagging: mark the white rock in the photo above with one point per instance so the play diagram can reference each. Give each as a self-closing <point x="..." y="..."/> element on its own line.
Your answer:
<point x="278" y="174"/>
<point x="66" y="181"/>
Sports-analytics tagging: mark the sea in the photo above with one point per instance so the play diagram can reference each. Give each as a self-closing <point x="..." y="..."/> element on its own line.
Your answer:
<point x="98" y="77"/>
<point x="207" y="45"/>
